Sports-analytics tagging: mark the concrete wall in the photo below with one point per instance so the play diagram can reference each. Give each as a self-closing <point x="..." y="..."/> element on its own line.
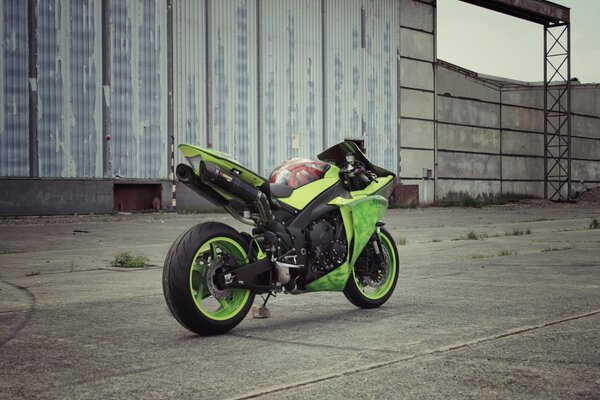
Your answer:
<point x="490" y="136"/>
<point x="417" y="94"/>
<point x="263" y="81"/>
<point x="55" y="196"/>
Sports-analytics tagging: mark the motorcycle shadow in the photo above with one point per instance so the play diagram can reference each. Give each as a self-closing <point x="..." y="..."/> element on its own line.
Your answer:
<point x="306" y="321"/>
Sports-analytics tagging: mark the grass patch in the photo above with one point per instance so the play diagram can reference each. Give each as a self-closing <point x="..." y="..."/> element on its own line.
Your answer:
<point x="402" y="241"/>
<point x="9" y="251"/>
<point x="547" y="249"/>
<point x="463" y="201"/>
<point x="540" y="220"/>
<point x="595" y="224"/>
<point x="518" y="232"/>
<point x="472" y="235"/>
<point x="126" y="260"/>
<point x="503" y="253"/>
<point x="435" y="241"/>
<point x="478" y="256"/>
<point x="33" y="273"/>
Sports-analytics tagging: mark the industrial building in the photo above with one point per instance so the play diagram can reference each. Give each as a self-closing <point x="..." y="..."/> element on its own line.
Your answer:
<point x="97" y="94"/>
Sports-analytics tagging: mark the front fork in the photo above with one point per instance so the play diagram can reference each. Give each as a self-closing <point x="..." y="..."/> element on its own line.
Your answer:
<point x="377" y="251"/>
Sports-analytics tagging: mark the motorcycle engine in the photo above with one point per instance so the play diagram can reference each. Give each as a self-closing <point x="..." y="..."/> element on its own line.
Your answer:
<point x="326" y="244"/>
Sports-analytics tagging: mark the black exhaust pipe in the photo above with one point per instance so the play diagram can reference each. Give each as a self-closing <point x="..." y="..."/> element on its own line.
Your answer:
<point x="213" y="175"/>
<point x="233" y="185"/>
<point x="210" y="173"/>
<point x="186" y="175"/>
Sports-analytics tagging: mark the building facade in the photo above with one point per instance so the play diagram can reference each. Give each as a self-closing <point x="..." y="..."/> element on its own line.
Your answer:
<point x="97" y="94"/>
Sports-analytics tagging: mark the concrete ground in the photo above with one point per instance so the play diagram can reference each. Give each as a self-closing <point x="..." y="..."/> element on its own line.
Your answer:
<point x="505" y="316"/>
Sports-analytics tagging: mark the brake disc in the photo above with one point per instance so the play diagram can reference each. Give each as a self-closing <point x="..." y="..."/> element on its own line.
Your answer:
<point x="212" y="269"/>
<point x="379" y="277"/>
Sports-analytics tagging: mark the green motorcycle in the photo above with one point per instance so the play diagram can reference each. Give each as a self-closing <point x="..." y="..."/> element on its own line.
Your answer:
<point x="317" y="227"/>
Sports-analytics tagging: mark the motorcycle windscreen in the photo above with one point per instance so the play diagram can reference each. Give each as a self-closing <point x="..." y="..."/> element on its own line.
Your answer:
<point x="336" y="154"/>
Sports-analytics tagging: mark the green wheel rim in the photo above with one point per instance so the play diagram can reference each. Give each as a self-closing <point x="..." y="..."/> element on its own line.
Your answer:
<point x="382" y="290"/>
<point x="216" y="309"/>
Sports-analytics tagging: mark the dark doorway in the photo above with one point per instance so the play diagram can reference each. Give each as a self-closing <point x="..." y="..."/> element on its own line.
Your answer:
<point x="137" y="197"/>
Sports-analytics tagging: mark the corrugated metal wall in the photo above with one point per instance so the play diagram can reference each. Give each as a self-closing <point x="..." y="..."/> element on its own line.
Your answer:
<point x="69" y="82"/>
<point x="362" y="39"/>
<point x="139" y="89"/>
<point x="343" y="71"/>
<point x="189" y="68"/>
<point x="232" y="65"/>
<point x="382" y="36"/>
<point x="263" y="81"/>
<point x="291" y="77"/>
<point x="14" y="104"/>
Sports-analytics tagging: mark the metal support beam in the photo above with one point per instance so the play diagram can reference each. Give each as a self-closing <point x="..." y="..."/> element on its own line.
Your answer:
<point x="170" y="108"/>
<point x="557" y="112"/>
<point x="106" y="117"/>
<point x="32" y="33"/>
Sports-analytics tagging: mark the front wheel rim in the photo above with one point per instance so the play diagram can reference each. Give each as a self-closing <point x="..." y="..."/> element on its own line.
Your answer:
<point x="385" y="287"/>
<point x="211" y="307"/>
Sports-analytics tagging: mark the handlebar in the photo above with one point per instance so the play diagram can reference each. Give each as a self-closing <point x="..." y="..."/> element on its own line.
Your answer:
<point x="357" y="176"/>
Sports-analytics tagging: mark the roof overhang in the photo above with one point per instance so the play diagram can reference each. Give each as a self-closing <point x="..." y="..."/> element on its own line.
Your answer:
<point x="538" y="11"/>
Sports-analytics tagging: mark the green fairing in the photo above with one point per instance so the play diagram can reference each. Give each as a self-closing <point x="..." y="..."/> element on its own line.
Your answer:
<point x="305" y="194"/>
<point x="223" y="161"/>
<point x="359" y="216"/>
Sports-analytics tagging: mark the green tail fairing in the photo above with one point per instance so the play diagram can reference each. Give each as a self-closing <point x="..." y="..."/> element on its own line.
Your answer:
<point x="359" y="216"/>
<point x="223" y="161"/>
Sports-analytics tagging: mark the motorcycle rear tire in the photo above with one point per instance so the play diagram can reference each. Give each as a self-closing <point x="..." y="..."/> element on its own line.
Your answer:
<point x="185" y="279"/>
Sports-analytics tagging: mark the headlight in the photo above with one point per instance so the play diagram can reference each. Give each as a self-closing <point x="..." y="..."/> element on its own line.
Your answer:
<point x="195" y="163"/>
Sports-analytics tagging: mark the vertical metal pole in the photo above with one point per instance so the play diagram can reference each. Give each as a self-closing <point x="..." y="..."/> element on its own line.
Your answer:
<point x="435" y="102"/>
<point x="398" y="115"/>
<point x="546" y="112"/>
<point x="170" y="109"/>
<point x="106" y="117"/>
<point x="259" y="125"/>
<point x="569" y="110"/>
<point x="33" y="91"/>
<point x="207" y="27"/>
<point x="324" y="69"/>
<point x="501" y="150"/>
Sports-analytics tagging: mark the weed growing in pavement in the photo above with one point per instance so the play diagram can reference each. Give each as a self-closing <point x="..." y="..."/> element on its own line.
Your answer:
<point x="435" y="241"/>
<point x="507" y="253"/>
<point x="402" y="241"/>
<point x="463" y="201"/>
<point x="518" y="232"/>
<point x="472" y="235"/>
<point x="555" y="249"/>
<point x="9" y="251"/>
<point x="478" y="256"/>
<point x="33" y="273"/>
<point x="126" y="260"/>
<point x="595" y="224"/>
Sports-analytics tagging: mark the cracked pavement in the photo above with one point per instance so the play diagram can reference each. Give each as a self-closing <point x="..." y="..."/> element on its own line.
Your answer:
<point x="466" y="320"/>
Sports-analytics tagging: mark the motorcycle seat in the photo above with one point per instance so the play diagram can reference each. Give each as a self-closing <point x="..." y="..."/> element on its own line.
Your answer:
<point x="280" y="190"/>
